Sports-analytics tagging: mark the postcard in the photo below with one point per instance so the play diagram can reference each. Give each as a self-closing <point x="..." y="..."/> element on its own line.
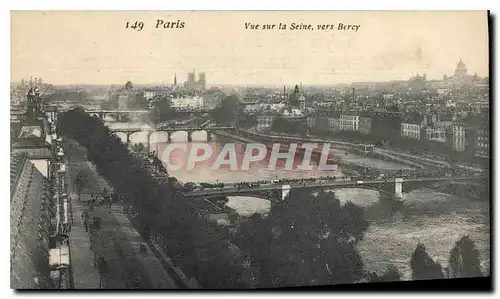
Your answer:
<point x="250" y="149"/>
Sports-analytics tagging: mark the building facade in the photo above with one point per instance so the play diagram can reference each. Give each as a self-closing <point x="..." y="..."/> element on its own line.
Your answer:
<point x="187" y="103"/>
<point x="435" y="133"/>
<point x="149" y="94"/>
<point x="311" y="122"/>
<point x="334" y="124"/>
<point x="386" y="124"/>
<point x="365" y="125"/>
<point x="411" y="131"/>
<point x="349" y="122"/>
<point x="321" y="123"/>
<point x="458" y="137"/>
<point x="483" y="143"/>
<point x="265" y="121"/>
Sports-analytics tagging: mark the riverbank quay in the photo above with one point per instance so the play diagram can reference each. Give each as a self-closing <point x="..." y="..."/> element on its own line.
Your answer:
<point x="474" y="190"/>
<point x="389" y="154"/>
<point x="351" y="168"/>
<point x="116" y="241"/>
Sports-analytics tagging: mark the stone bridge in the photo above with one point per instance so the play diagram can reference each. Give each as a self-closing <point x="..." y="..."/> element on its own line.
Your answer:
<point x="396" y="187"/>
<point x="172" y="129"/>
<point x="120" y="114"/>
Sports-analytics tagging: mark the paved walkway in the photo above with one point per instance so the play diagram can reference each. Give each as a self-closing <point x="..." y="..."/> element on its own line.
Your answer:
<point x="117" y="241"/>
<point x="85" y="274"/>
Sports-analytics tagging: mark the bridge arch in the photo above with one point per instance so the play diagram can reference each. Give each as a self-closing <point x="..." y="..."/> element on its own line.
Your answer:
<point x="159" y="136"/>
<point x="200" y="135"/>
<point x="139" y="137"/>
<point x="382" y="193"/>
<point x="180" y="135"/>
<point x="122" y="136"/>
<point x="386" y="189"/>
<point x="111" y="117"/>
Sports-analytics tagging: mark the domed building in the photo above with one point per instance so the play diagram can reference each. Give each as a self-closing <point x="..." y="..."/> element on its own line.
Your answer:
<point x="297" y="100"/>
<point x="460" y="76"/>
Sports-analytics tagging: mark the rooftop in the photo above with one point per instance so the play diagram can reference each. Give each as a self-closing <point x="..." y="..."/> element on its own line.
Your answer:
<point x="17" y="161"/>
<point x="29" y="225"/>
<point x="30" y="143"/>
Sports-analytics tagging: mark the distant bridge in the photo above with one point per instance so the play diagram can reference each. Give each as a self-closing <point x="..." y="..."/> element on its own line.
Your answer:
<point x="118" y="111"/>
<point x="359" y="148"/>
<point x="119" y="114"/>
<point x="396" y="186"/>
<point x="191" y="111"/>
<point x="172" y="129"/>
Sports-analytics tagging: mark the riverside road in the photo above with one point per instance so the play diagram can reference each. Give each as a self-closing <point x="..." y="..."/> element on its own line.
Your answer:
<point x="117" y="241"/>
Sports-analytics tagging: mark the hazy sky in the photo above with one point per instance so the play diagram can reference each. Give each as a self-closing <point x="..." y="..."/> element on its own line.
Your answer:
<point x="75" y="47"/>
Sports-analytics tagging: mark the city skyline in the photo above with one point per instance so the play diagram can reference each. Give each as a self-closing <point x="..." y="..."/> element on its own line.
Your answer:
<point x="95" y="48"/>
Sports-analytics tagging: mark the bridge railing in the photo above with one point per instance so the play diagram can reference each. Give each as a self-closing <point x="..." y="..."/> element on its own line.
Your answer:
<point x="336" y="181"/>
<point x="169" y="129"/>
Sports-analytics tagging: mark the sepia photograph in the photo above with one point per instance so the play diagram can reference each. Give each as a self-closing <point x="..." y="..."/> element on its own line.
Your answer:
<point x="250" y="150"/>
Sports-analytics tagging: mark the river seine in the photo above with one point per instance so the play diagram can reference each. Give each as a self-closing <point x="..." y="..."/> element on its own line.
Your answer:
<point x="427" y="216"/>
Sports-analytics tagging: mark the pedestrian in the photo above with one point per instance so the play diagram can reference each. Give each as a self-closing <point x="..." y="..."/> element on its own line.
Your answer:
<point x="85" y="218"/>
<point x="91" y="241"/>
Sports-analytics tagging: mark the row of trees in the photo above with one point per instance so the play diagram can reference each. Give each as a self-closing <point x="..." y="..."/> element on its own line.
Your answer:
<point x="162" y="110"/>
<point x="306" y="240"/>
<point x="464" y="261"/>
<point x="284" y="125"/>
<point x="228" y="110"/>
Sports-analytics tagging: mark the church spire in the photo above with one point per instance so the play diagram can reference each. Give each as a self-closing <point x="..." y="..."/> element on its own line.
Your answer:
<point x="460" y="70"/>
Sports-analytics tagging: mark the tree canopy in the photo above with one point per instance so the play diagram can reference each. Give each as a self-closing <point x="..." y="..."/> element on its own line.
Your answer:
<point x="423" y="266"/>
<point x="228" y="111"/>
<point x="390" y="274"/>
<point x="162" y="110"/>
<point x="306" y="240"/>
<point x="464" y="259"/>
<point x="284" y="125"/>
